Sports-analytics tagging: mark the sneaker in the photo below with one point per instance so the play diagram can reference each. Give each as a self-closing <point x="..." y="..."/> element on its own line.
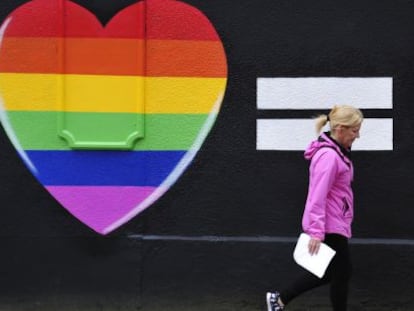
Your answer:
<point x="272" y="302"/>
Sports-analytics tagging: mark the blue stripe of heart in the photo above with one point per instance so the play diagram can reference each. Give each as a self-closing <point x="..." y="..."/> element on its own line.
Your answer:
<point x="102" y="168"/>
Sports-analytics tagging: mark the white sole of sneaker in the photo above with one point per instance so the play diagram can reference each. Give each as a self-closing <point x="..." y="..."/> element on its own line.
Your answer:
<point x="269" y="306"/>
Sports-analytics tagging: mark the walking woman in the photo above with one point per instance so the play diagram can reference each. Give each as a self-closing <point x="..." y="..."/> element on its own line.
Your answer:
<point x="329" y="207"/>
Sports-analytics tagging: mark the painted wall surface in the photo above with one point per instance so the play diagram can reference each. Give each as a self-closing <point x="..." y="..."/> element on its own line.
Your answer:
<point x="198" y="207"/>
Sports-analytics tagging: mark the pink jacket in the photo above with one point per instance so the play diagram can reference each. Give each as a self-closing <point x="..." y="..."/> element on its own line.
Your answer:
<point x="329" y="206"/>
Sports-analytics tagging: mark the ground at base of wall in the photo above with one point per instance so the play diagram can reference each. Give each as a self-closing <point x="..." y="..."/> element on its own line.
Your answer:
<point x="316" y="300"/>
<point x="76" y="304"/>
<point x="80" y="274"/>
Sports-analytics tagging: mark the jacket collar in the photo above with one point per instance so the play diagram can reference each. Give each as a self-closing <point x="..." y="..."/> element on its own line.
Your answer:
<point x="345" y="154"/>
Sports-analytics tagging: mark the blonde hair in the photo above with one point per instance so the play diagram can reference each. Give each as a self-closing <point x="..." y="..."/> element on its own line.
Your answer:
<point x="339" y="115"/>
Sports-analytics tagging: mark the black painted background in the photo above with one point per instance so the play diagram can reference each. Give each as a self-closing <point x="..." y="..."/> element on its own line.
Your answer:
<point x="231" y="189"/>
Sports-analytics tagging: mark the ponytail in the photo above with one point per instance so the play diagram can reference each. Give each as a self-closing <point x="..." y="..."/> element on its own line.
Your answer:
<point x="320" y="122"/>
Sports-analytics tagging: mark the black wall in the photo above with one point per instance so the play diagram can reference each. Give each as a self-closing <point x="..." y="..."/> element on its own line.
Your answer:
<point x="49" y="259"/>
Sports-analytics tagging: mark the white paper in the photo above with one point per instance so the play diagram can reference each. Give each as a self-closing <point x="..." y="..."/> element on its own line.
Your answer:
<point x="316" y="263"/>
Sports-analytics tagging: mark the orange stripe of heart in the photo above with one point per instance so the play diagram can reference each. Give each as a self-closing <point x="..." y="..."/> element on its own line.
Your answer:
<point x="113" y="56"/>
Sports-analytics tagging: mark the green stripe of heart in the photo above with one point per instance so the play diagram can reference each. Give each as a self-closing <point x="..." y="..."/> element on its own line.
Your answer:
<point x="38" y="130"/>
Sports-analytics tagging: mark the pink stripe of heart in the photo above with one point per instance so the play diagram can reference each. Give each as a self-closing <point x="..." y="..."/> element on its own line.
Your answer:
<point x="100" y="206"/>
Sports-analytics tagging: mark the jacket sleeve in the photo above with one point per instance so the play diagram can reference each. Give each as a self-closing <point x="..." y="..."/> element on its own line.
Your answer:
<point x="322" y="172"/>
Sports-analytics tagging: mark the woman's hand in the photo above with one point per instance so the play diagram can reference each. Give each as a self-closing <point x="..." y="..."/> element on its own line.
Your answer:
<point x="314" y="245"/>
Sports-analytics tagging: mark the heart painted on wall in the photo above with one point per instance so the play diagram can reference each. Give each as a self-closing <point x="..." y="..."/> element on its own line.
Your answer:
<point x="108" y="117"/>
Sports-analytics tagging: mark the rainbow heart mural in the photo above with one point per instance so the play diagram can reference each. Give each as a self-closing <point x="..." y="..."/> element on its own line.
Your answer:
<point x="107" y="117"/>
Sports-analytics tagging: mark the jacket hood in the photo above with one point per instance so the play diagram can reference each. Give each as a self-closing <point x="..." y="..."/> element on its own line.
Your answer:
<point x="324" y="140"/>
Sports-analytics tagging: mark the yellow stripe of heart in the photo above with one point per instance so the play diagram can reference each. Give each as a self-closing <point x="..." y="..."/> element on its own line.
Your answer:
<point x="93" y="93"/>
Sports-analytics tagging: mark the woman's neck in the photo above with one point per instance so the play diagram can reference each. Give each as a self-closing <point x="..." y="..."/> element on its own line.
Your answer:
<point x="338" y="141"/>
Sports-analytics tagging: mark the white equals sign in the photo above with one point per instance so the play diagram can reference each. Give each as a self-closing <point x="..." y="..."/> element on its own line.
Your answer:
<point x="283" y="94"/>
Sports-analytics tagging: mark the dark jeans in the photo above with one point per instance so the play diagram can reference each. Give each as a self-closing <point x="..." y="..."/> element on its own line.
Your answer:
<point x="337" y="274"/>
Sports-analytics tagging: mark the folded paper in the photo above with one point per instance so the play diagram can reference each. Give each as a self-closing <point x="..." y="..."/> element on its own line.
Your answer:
<point x="316" y="263"/>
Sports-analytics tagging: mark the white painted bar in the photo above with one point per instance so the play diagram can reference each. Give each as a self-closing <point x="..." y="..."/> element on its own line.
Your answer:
<point x="296" y="134"/>
<point x="324" y="92"/>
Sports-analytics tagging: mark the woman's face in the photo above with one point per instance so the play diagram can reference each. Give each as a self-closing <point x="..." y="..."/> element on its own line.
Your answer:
<point x="347" y="134"/>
